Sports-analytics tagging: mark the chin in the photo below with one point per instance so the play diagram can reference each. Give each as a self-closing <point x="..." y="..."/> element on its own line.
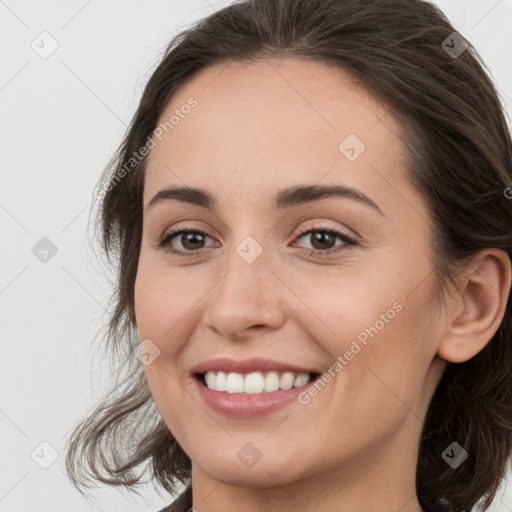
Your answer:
<point x="267" y="472"/>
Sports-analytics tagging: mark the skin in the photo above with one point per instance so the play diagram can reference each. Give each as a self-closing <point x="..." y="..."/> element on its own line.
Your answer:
<point x="258" y="128"/>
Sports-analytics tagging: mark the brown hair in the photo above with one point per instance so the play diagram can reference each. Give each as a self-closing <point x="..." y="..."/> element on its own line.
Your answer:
<point x="459" y="158"/>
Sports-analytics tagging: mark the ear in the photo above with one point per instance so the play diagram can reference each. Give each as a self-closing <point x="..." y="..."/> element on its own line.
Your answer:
<point x="476" y="312"/>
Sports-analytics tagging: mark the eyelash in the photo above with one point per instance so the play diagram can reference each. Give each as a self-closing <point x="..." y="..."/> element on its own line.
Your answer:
<point x="348" y="241"/>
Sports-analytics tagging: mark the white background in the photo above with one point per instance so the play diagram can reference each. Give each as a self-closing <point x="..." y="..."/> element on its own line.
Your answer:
<point x="61" y="119"/>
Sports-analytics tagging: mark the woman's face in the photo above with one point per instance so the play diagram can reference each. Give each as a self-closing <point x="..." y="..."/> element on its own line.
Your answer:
<point x="255" y="286"/>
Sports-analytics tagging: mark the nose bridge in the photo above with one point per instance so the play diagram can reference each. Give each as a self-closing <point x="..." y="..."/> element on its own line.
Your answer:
<point x="245" y="272"/>
<point x="246" y="292"/>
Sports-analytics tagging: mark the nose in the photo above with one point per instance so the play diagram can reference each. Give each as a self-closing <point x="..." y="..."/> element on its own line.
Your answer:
<point x="247" y="298"/>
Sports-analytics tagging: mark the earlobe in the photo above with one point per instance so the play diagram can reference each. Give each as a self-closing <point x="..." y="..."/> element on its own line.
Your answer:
<point x="478" y="310"/>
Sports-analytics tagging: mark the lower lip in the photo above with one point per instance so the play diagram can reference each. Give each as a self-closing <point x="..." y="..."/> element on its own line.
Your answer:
<point x="236" y="404"/>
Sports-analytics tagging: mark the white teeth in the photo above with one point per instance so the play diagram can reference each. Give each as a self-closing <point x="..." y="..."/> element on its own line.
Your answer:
<point x="235" y="383"/>
<point x="220" y="381"/>
<point x="272" y="381"/>
<point x="300" y="380"/>
<point x="286" y="380"/>
<point x="255" y="382"/>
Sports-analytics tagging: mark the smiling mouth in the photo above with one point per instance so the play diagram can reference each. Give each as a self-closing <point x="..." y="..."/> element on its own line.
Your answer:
<point x="254" y="382"/>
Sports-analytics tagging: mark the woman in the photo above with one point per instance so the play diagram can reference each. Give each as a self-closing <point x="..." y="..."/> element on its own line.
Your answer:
<point x="367" y="370"/>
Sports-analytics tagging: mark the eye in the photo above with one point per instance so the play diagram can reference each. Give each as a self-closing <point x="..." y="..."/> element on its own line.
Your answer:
<point x="192" y="241"/>
<point x="323" y="239"/>
<point x="190" y="238"/>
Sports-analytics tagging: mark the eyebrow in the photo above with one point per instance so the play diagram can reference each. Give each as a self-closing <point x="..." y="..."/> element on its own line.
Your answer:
<point x="285" y="198"/>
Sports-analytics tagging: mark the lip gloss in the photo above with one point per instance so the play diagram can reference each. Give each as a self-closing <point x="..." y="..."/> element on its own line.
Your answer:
<point x="242" y="405"/>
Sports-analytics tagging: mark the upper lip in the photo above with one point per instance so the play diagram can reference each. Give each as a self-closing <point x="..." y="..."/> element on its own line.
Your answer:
<point x="254" y="364"/>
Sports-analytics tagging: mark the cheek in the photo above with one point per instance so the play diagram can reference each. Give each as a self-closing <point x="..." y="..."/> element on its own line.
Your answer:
<point x="379" y="329"/>
<point x="163" y="314"/>
<point x="164" y="303"/>
<point x="346" y="305"/>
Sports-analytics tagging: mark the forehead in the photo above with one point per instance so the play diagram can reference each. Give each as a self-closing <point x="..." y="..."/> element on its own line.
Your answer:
<point x="265" y="125"/>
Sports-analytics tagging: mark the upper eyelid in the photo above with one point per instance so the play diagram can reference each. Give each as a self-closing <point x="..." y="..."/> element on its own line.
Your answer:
<point x="318" y="224"/>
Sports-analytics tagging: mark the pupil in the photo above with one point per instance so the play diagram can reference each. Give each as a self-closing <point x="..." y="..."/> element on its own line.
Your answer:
<point x="320" y="237"/>
<point x="190" y="237"/>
